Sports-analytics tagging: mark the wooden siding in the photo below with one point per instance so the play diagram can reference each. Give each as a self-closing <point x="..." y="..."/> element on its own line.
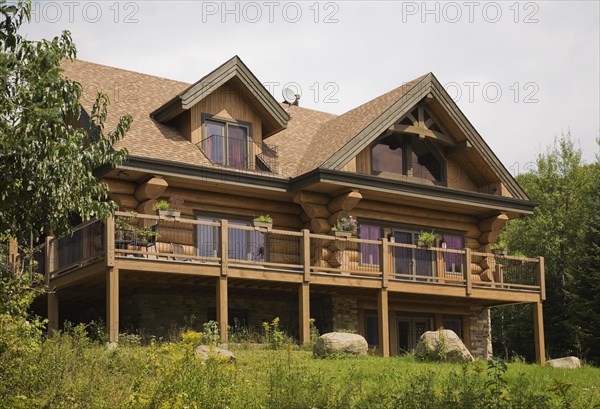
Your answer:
<point x="285" y="214"/>
<point x="289" y="215"/>
<point x="229" y="103"/>
<point x="459" y="177"/>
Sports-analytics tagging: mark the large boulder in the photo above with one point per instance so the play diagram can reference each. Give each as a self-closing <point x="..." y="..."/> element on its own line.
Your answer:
<point x="443" y="345"/>
<point x="568" y="362"/>
<point x="206" y="352"/>
<point x="340" y="343"/>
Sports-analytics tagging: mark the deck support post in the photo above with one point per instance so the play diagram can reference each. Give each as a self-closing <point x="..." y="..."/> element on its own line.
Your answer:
<point x="306" y="254"/>
<point x="383" y="316"/>
<point x="304" y="316"/>
<point x="50" y="264"/>
<point x="467" y="274"/>
<point x="109" y="241"/>
<point x="222" y="307"/>
<point x="112" y="305"/>
<point x="538" y="331"/>
<point x="53" y="312"/>
<point x="542" y="279"/>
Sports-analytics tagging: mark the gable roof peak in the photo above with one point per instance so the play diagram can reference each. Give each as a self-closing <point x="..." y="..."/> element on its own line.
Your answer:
<point x="274" y="115"/>
<point x="343" y="137"/>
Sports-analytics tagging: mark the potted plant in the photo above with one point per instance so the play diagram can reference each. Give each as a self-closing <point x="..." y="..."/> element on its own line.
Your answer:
<point x="170" y="208"/>
<point x="264" y="221"/>
<point x="124" y="228"/>
<point x="500" y="248"/>
<point x="345" y="227"/>
<point x="426" y="238"/>
<point x="146" y="235"/>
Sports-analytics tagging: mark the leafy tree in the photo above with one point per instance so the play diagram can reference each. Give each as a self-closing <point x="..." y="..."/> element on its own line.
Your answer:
<point x="586" y="305"/>
<point x="47" y="161"/>
<point x="562" y="187"/>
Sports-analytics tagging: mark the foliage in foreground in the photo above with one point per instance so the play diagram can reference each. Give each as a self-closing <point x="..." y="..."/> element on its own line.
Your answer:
<point x="72" y="371"/>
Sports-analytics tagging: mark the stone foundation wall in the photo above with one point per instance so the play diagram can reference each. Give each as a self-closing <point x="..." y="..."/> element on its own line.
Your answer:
<point x="163" y="314"/>
<point x="345" y="314"/>
<point x="481" y="334"/>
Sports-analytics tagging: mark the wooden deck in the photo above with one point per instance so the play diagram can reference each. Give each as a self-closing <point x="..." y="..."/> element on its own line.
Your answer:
<point x="303" y="259"/>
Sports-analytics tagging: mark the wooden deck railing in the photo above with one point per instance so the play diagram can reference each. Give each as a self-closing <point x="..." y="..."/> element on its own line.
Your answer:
<point x="226" y="244"/>
<point x="83" y="246"/>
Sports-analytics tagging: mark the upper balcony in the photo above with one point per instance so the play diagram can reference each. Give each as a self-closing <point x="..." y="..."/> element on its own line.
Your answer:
<point x="147" y="243"/>
<point x="241" y="153"/>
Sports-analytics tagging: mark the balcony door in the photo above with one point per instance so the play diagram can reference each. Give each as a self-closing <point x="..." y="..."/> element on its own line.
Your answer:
<point x="243" y="244"/>
<point x="227" y="144"/>
<point x="412" y="261"/>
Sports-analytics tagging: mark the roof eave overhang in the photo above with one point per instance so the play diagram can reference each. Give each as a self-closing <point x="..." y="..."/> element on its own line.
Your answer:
<point x="358" y="181"/>
<point x="205" y="173"/>
<point x="168" y="111"/>
<point x="416" y="190"/>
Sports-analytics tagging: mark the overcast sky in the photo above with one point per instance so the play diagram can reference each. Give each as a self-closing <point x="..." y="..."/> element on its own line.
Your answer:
<point x="522" y="72"/>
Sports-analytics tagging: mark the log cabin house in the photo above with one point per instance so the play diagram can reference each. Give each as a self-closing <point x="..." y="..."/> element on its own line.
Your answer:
<point x="403" y="163"/>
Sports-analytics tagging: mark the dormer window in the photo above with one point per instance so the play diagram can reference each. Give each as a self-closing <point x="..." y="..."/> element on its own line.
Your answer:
<point x="227" y="143"/>
<point x="407" y="155"/>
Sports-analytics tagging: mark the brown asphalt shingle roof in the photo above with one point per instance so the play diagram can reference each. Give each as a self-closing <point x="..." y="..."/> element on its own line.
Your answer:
<point x="136" y="94"/>
<point x="337" y="132"/>
<point x="310" y="139"/>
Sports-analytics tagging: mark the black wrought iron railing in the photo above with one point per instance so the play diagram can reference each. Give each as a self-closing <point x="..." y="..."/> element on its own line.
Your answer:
<point x="240" y="153"/>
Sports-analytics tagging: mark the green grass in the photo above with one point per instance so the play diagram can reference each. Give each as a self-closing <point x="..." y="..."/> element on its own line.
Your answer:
<point x="72" y="372"/>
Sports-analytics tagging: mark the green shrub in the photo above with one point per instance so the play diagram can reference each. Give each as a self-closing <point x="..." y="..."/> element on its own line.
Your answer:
<point x="210" y="334"/>
<point x="274" y="336"/>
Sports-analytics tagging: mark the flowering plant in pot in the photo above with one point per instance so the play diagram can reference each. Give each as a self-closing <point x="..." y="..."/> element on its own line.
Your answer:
<point x="345" y="227"/>
<point x="264" y="220"/>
